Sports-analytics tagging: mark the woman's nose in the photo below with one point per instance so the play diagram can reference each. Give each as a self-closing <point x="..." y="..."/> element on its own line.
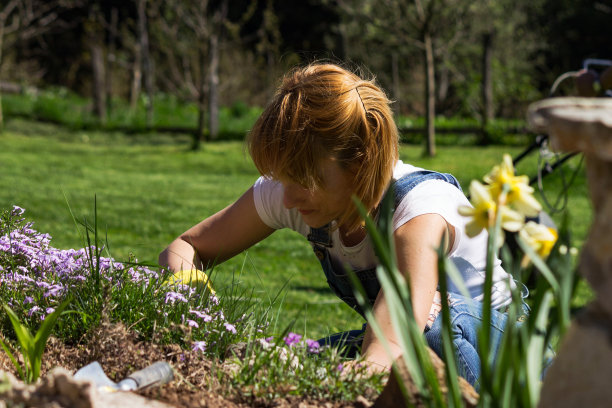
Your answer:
<point x="293" y="195"/>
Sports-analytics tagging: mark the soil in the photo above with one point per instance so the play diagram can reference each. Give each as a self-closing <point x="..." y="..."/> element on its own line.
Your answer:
<point x="196" y="382"/>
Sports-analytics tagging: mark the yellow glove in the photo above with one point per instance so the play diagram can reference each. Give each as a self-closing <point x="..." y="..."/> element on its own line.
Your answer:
<point x="191" y="277"/>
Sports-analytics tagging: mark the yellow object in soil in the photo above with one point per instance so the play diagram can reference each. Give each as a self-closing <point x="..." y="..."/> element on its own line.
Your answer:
<point x="192" y="277"/>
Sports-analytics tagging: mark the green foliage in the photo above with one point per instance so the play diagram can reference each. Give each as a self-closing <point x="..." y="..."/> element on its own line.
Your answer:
<point x="175" y="189"/>
<point x="31" y="347"/>
<point x="513" y="378"/>
<point x="61" y="106"/>
<point x="273" y="370"/>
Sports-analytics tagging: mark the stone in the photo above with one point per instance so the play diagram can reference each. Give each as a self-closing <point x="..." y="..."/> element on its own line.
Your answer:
<point x="581" y="373"/>
<point x="586" y="349"/>
<point x="59" y="389"/>
<point x="392" y="395"/>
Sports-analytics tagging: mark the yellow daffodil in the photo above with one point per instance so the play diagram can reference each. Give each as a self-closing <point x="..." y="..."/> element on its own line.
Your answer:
<point x="539" y="237"/>
<point x="483" y="212"/>
<point x="193" y="277"/>
<point x="519" y="194"/>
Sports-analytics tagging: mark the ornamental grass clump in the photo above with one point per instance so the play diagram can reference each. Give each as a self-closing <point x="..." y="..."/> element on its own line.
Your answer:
<point x="500" y="206"/>
<point x="35" y="278"/>
<point x="290" y="364"/>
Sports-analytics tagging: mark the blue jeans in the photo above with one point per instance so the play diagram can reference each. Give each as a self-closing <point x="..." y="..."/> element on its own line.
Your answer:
<point x="466" y="318"/>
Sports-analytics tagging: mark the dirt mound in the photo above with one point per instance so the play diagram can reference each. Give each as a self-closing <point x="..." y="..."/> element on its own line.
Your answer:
<point x="120" y="352"/>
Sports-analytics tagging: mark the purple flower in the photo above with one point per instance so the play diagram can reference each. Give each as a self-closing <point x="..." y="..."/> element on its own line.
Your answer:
<point x="28" y="300"/>
<point x="50" y="310"/>
<point x="313" y="346"/>
<point x="199" y="346"/>
<point x="230" y="328"/>
<point x="201" y="315"/>
<point x="54" y="290"/>
<point x="292" y="338"/>
<point x="17" y="211"/>
<point x="340" y="367"/>
<point x="33" y="310"/>
<point x="192" y="323"/>
<point x="172" y="297"/>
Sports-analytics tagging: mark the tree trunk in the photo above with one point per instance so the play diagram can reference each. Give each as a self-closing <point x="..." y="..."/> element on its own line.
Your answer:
<point x="147" y="65"/>
<point x="213" y="89"/>
<point x="99" y="94"/>
<point x="1" y="45"/>
<point x="136" y="78"/>
<point x="111" y="57"/>
<point x="487" y="85"/>
<point x="201" y="132"/>
<point x="430" y="96"/>
<point x="396" y="83"/>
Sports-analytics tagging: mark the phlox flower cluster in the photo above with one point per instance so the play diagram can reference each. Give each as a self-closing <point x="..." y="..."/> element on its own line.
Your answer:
<point x="294" y="339"/>
<point x="35" y="277"/>
<point x="510" y="198"/>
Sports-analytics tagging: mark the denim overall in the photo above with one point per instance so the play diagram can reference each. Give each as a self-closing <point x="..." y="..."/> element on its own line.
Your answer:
<point x="466" y="314"/>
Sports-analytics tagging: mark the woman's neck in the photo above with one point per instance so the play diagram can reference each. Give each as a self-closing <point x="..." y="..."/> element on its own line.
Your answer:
<point x="352" y="238"/>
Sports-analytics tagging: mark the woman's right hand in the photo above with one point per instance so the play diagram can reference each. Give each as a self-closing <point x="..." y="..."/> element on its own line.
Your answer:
<point x="217" y="238"/>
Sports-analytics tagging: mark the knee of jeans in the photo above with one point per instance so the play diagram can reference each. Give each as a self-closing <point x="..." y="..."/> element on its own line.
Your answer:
<point x="468" y="361"/>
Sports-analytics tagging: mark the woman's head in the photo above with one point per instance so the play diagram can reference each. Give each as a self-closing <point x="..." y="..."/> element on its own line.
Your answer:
<point x="322" y="112"/>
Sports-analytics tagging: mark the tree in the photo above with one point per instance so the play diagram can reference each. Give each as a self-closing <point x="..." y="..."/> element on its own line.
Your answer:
<point x="144" y="58"/>
<point x="430" y="26"/>
<point x="188" y="37"/>
<point x="24" y="19"/>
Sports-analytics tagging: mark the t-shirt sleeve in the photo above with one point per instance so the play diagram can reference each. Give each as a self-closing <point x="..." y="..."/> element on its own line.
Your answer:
<point x="268" y="196"/>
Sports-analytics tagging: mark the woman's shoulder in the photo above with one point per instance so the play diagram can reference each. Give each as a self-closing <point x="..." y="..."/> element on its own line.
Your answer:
<point x="268" y="197"/>
<point x="402" y="169"/>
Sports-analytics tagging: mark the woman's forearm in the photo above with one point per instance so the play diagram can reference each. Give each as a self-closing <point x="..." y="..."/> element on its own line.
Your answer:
<point x="179" y="255"/>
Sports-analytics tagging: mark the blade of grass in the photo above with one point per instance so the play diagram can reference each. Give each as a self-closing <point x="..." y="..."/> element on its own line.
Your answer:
<point x="42" y="334"/>
<point x="453" y="397"/>
<point x="13" y="359"/>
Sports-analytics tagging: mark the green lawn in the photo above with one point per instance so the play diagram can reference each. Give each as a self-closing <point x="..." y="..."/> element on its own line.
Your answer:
<point x="150" y="188"/>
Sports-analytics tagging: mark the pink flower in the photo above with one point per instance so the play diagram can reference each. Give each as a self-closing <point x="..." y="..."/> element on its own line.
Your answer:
<point x="292" y="338"/>
<point x="199" y="346"/>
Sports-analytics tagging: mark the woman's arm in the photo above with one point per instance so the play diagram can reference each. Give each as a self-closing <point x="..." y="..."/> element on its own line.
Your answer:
<point x="217" y="238"/>
<point x="415" y="243"/>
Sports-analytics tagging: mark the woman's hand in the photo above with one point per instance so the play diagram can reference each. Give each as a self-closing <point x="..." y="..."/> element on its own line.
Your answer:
<point x="363" y="367"/>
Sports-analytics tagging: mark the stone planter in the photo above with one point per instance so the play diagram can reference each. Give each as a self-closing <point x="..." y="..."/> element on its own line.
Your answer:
<point x="581" y="373"/>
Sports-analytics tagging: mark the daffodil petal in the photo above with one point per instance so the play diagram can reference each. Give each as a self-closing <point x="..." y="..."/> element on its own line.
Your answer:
<point x="473" y="228"/>
<point x="479" y="192"/>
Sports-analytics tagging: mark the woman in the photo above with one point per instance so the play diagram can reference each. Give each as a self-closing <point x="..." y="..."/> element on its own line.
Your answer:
<point x="328" y="135"/>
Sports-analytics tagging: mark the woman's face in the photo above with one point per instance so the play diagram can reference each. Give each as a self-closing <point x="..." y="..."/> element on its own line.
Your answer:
<point x="326" y="203"/>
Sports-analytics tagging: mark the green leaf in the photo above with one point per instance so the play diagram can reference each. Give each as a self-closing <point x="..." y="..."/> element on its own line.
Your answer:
<point x="539" y="264"/>
<point x="13" y="359"/>
<point x="43" y="333"/>
<point x="535" y="349"/>
<point x="24" y="337"/>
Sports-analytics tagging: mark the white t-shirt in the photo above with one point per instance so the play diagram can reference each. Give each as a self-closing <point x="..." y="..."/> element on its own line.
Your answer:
<point x="428" y="197"/>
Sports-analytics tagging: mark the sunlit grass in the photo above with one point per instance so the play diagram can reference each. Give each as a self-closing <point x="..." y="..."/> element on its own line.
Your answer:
<point x="150" y="188"/>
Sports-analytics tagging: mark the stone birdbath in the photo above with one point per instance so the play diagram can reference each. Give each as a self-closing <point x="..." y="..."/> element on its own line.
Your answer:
<point x="582" y="371"/>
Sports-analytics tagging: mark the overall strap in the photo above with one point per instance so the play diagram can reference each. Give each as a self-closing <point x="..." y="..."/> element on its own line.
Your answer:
<point x="321" y="241"/>
<point x="405" y="184"/>
<point x="321" y="237"/>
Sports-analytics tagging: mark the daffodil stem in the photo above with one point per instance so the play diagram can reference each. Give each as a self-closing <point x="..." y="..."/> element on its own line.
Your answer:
<point x="485" y="330"/>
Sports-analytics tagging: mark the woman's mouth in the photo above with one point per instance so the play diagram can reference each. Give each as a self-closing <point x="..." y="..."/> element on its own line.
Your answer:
<point x="306" y="212"/>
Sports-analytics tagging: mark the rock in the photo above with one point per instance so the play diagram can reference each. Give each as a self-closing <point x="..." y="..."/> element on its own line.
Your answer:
<point x="580" y="375"/>
<point x="362" y="402"/>
<point x="59" y="389"/>
<point x="587" y="348"/>
<point x="392" y="396"/>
